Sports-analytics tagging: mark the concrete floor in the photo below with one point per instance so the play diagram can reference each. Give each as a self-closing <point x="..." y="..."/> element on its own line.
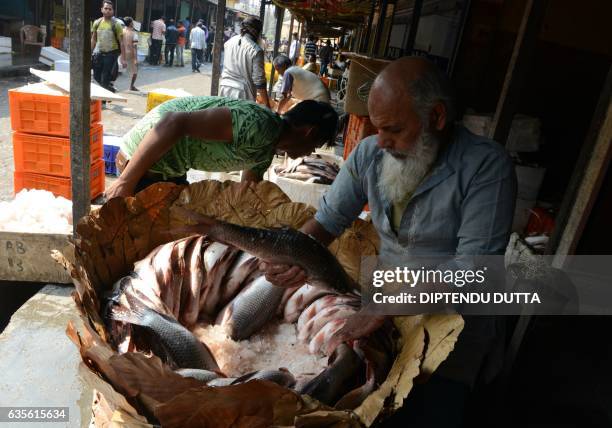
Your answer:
<point x="39" y="364"/>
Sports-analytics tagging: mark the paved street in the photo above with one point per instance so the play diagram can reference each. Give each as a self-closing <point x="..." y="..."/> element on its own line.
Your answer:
<point x="117" y="118"/>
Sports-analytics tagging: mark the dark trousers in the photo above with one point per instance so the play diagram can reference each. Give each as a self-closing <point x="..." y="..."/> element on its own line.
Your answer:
<point x="155" y="51"/>
<point x="209" y="50"/>
<point x="324" y="65"/>
<point x="439" y="403"/>
<point x="103" y="69"/>
<point x="197" y="58"/>
<point x="169" y="53"/>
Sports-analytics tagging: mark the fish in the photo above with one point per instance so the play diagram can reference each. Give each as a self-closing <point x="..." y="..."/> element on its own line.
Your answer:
<point x="354" y="398"/>
<point x="303" y="297"/>
<point x="328" y="314"/>
<point x="339" y="378"/>
<point x="253" y="307"/>
<point x="279" y="246"/>
<point x="199" y="374"/>
<point x="322" y="303"/>
<point x="319" y="341"/>
<point x="221" y="381"/>
<point x="281" y="377"/>
<point x="185" y="350"/>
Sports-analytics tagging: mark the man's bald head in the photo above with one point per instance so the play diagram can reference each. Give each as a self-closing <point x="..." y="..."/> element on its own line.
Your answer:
<point x="417" y="81"/>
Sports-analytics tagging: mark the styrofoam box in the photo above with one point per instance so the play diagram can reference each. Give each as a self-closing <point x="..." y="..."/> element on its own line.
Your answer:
<point x="529" y="181"/>
<point x="6" y="42"/>
<point x="524" y="133"/>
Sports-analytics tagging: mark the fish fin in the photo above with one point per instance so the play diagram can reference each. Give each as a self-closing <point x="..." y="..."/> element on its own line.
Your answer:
<point x="135" y="314"/>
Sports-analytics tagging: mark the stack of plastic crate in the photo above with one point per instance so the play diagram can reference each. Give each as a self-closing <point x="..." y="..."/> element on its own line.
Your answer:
<point x="40" y="119"/>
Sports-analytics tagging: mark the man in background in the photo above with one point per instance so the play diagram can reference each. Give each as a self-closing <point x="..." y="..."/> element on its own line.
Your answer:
<point x="298" y="84"/>
<point x="172" y="36"/>
<point x="326" y="54"/>
<point x="198" y="44"/>
<point x="157" y="37"/>
<point x="187" y="25"/>
<point x="106" y="44"/>
<point x="243" y="74"/>
<point x="294" y="49"/>
<point x="310" y="48"/>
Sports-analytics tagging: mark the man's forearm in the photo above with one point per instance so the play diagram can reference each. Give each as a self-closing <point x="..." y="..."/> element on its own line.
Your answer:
<point x="317" y="231"/>
<point x="263" y="95"/>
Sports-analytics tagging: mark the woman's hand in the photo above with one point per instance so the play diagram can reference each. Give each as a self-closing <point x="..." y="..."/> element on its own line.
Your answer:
<point x="119" y="188"/>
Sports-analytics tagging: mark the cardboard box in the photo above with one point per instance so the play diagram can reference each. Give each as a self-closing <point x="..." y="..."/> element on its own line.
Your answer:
<point x="362" y="72"/>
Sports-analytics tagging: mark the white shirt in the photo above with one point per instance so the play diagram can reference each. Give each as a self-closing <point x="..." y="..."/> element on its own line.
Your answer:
<point x="307" y="85"/>
<point x="198" y="38"/>
<point x="294" y="50"/>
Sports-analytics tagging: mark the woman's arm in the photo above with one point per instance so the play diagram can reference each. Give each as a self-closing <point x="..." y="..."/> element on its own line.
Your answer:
<point x="211" y="124"/>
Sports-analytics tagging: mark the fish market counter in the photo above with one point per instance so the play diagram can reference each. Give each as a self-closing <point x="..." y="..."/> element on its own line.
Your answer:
<point x="40" y="366"/>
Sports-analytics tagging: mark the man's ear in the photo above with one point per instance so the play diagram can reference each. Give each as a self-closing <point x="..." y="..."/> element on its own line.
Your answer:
<point x="437" y="117"/>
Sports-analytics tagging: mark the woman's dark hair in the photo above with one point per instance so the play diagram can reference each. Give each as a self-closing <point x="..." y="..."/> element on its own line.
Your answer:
<point x="317" y="113"/>
<point x="282" y="61"/>
<point x="128" y="21"/>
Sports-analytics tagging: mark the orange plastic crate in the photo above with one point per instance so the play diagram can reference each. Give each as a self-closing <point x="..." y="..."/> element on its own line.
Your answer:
<point x="40" y="113"/>
<point x="358" y="128"/>
<point x="43" y="154"/>
<point x="60" y="186"/>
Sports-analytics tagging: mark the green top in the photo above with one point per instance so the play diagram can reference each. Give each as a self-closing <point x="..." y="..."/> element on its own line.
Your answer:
<point x="255" y="131"/>
<point x="108" y="33"/>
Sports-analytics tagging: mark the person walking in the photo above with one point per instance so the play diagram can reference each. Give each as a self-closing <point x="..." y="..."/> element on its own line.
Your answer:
<point x="198" y="43"/>
<point x="130" y="47"/>
<point x="180" y="44"/>
<point x="157" y="38"/>
<point x="243" y="74"/>
<point x="187" y="24"/>
<point x="106" y="44"/>
<point x="294" y="49"/>
<point x="326" y="54"/>
<point x="210" y="41"/>
<point x="310" y="48"/>
<point x="172" y="35"/>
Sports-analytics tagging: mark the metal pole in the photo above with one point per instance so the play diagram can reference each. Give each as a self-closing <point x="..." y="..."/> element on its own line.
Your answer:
<point x="366" y="40"/>
<point x="216" y="71"/>
<point x="462" y="23"/>
<point x="290" y="34"/>
<point x="414" y="26"/>
<point x="262" y="11"/>
<point x="80" y="78"/>
<point x="380" y="28"/>
<point x="280" y="13"/>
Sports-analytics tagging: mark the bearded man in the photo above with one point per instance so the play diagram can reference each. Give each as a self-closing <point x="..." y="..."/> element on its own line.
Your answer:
<point x="434" y="189"/>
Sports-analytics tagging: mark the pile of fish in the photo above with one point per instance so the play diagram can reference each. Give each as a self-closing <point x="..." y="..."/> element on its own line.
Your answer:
<point x="196" y="284"/>
<point x="311" y="169"/>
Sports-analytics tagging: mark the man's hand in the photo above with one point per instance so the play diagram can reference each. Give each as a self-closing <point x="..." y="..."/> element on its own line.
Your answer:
<point x="357" y="326"/>
<point x="283" y="275"/>
<point x="119" y="188"/>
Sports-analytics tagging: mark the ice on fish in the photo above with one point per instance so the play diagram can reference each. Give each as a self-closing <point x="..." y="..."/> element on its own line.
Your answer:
<point x="36" y="211"/>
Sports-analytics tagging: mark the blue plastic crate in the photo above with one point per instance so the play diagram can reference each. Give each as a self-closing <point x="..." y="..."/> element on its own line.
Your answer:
<point x="110" y="153"/>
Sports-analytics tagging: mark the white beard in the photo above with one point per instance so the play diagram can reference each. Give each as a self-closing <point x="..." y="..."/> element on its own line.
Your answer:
<point x="401" y="176"/>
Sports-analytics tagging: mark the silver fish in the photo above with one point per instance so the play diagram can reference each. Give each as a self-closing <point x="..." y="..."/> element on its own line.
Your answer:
<point x="254" y="306"/>
<point x="203" y="375"/>
<point x="338" y="378"/>
<point x="281" y="377"/>
<point x="180" y="344"/>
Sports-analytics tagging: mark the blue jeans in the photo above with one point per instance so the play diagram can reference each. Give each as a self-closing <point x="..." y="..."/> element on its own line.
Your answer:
<point x="197" y="58"/>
